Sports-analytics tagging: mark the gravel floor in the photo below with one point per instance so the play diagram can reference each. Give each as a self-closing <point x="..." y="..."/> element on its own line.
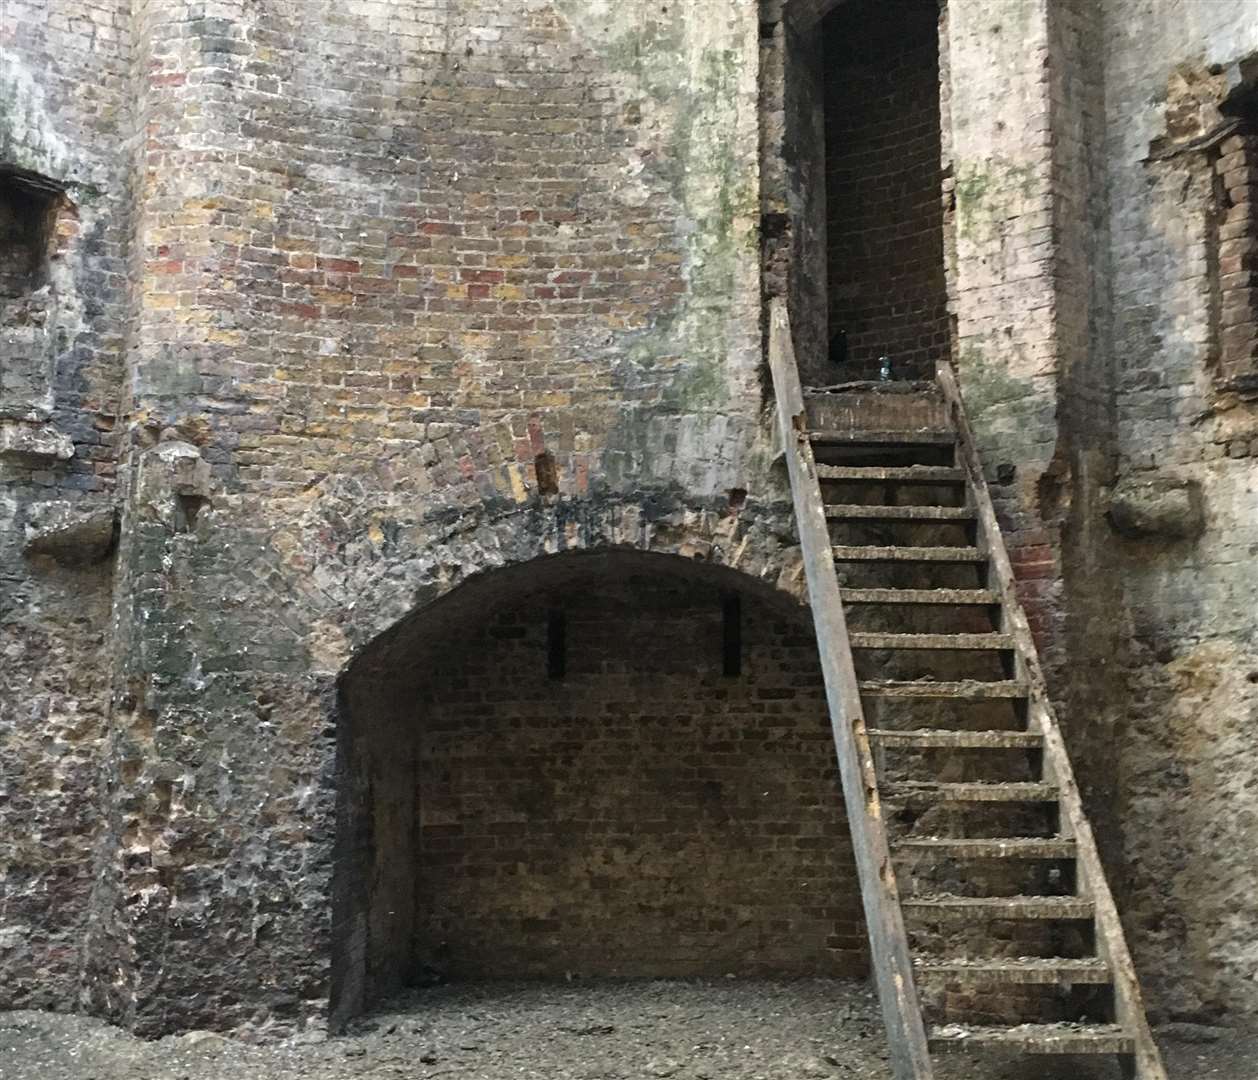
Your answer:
<point x="695" y="1030"/>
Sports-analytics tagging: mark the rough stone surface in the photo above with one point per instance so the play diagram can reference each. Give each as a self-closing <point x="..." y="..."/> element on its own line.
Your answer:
<point x="65" y="175"/>
<point x="1157" y="507"/>
<point x="70" y="536"/>
<point x="1188" y="606"/>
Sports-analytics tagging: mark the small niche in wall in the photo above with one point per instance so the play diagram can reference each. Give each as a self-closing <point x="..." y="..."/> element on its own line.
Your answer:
<point x="28" y="205"/>
<point x="29" y="208"/>
<point x="1236" y="261"/>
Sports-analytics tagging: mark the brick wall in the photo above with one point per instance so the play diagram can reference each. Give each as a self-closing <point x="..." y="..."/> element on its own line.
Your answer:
<point x="388" y="258"/>
<point x="484" y="255"/>
<point x="1236" y="187"/>
<point x="883" y="187"/>
<point x="644" y="814"/>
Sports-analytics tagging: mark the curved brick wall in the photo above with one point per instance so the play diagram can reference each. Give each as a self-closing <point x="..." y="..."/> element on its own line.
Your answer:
<point x="641" y="813"/>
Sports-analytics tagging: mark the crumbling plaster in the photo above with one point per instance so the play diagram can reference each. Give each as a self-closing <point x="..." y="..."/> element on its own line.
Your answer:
<point x="1189" y="601"/>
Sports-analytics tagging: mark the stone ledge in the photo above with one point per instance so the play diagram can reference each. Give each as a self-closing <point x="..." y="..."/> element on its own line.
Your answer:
<point x="22" y="439"/>
<point x="71" y="536"/>
<point x="1153" y="506"/>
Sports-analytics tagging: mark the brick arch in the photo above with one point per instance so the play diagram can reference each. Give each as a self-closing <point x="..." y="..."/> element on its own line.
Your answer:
<point x="755" y="547"/>
<point x="383" y="689"/>
<point x="353" y="570"/>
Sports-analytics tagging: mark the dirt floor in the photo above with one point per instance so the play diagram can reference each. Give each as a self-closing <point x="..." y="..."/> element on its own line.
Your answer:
<point x="695" y="1030"/>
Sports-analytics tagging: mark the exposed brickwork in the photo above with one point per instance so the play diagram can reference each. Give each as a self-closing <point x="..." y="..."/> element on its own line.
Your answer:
<point x="1237" y="184"/>
<point x="884" y="216"/>
<point x="344" y="275"/>
<point x="644" y="814"/>
<point x="385" y="267"/>
<point x="483" y="257"/>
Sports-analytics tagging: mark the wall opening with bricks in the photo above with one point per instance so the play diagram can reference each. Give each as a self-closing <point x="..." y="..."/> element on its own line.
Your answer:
<point x="887" y="289"/>
<point x="645" y="808"/>
<point x="27" y="211"/>
<point x="1236" y="188"/>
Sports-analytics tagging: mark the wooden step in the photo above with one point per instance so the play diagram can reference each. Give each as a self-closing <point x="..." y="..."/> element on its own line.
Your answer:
<point x="1030" y="908"/>
<point x="918" y="437"/>
<point x="967" y="690"/>
<point x="977" y="792"/>
<point x="1019" y="971"/>
<point x="1002" y="847"/>
<point x="908" y="554"/>
<point x="947" y="642"/>
<point x="934" y="739"/>
<point x="905" y="474"/>
<point x="956" y="597"/>
<point x="1033" y="1039"/>
<point x="855" y="512"/>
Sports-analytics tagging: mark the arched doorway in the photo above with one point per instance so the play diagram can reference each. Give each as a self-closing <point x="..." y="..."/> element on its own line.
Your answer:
<point x="591" y="764"/>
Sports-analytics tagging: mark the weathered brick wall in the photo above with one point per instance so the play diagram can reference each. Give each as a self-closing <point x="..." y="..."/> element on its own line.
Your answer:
<point x="1079" y="611"/>
<point x="643" y="814"/>
<point x="884" y="215"/>
<point x="386" y="260"/>
<point x="1186" y="505"/>
<point x="391" y="256"/>
<point x="64" y="121"/>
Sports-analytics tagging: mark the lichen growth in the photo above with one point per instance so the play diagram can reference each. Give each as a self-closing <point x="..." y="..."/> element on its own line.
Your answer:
<point x="983" y="189"/>
<point x="693" y="90"/>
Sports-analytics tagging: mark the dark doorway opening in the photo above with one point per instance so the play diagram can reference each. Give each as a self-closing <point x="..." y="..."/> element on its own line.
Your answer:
<point x="884" y="211"/>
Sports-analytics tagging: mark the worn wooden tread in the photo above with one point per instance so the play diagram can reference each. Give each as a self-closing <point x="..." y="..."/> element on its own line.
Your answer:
<point x="932" y="738"/>
<point x="966" y="690"/>
<point x="1000" y="847"/>
<point x="869" y="553"/>
<point x="903" y="437"/>
<point x="955" y="597"/>
<point x="909" y="474"/>
<point x="842" y="511"/>
<point x="1065" y="908"/>
<point x="923" y="790"/>
<point x="1019" y="970"/>
<point x="960" y="642"/>
<point x="1034" y="1039"/>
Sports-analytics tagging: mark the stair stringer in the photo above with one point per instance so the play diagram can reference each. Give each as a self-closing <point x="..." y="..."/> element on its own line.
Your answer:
<point x="1092" y="882"/>
<point x="890" y="956"/>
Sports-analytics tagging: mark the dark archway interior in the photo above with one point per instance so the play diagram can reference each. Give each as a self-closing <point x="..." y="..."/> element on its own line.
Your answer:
<point x="610" y="764"/>
<point x="884" y="211"/>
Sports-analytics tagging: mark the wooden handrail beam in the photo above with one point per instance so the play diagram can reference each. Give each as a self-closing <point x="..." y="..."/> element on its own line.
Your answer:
<point x="888" y="942"/>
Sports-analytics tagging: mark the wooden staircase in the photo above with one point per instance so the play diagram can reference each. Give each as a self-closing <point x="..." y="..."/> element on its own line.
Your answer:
<point x="990" y="922"/>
